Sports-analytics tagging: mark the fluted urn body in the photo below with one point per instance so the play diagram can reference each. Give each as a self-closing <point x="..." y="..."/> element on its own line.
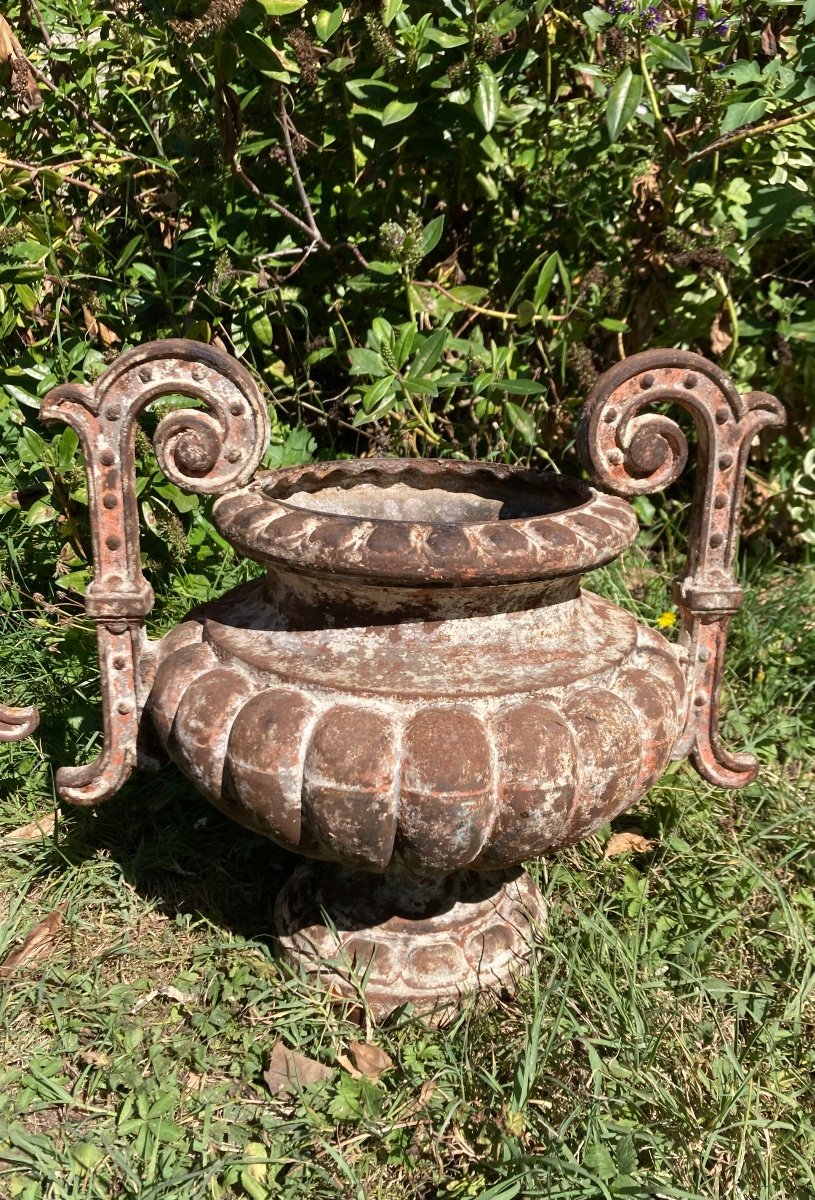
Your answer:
<point x="420" y="682"/>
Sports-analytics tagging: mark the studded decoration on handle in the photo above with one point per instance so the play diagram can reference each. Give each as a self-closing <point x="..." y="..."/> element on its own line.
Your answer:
<point x="208" y="451"/>
<point x="634" y="453"/>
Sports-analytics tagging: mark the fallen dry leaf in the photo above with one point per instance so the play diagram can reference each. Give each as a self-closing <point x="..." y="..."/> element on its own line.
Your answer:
<point x="769" y="45"/>
<point x="646" y="191"/>
<point x="38" y="945"/>
<point x="170" y="993"/>
<point x="628" y="842"/>
<point x="24" y="84"/>
<point x="42" y="827"/>
<point x="94" y="1058"/>
<point x="368" y="1060"/>
<point x="720" y="339"/>
<point x="346" y="1064"/>
<point x="97" y="329"/>
<point x="7" y="42"/>
<point x="289" y="1071"/>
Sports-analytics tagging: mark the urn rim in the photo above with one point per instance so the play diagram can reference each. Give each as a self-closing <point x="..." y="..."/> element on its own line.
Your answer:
<point x="465" y="523"/>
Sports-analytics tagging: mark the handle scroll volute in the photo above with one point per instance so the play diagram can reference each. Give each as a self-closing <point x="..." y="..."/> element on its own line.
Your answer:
<point x="17" y="723"/>
<point x="208" y="450"/>
<point x="634" y="452"/>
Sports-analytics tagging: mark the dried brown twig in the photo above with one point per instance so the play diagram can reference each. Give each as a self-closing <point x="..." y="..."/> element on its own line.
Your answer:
<point x="46" y="36"/>
<point x="748" y="131"/>
<point x="18" y="165"/>
<point x="286" y="127"/>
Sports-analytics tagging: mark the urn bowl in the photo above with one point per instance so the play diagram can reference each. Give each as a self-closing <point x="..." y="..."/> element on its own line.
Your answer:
<point x="419" y="682"/>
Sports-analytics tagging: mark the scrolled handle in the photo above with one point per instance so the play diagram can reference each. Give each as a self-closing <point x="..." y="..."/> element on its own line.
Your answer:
<point x="17" y="723"/>
<point x="654" y="450"/>
<point x="204" y="451"/>
<point x="209" y="450"/>
<point x="633" y="452"/>
<point x="188" y="447"/>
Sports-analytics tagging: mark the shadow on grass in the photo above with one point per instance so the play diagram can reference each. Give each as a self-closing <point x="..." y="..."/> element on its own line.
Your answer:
<point x="172" y="847"/>
<point x="181" y="855"/>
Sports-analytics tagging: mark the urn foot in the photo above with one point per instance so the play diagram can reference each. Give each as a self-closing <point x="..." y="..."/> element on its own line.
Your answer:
<point x="406" y="940"/>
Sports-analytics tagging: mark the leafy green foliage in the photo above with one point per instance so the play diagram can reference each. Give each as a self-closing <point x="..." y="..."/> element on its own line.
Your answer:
<point x="519" y="193"/>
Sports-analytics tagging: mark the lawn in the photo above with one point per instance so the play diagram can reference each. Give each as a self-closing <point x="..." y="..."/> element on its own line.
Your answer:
<point x="661" y="1046"/>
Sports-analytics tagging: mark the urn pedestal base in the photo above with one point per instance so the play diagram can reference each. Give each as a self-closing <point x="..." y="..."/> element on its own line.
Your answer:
<point x="407" y="940"/>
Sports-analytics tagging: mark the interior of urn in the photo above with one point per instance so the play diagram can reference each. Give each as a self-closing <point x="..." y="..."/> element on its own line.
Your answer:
<point x="427" y="492"/>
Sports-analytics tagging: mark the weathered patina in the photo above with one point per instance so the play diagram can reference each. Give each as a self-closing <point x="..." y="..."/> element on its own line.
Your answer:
<point x="17" y="723"/>
<point x="417" y="694"/>
<point x="634" y="453"/>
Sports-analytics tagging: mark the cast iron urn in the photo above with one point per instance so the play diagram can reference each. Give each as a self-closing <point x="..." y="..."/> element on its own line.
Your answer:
<point x="417" y="695"/>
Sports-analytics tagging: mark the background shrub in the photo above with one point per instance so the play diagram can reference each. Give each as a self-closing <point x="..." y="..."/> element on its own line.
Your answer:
<point x="426" y="227"/>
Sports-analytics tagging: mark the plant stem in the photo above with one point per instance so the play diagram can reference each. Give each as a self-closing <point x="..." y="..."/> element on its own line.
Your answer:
<point x="740" y="135"/>
<point x="408" y="297"/>
<point x="17" y="165"/>
<point x="652" y="97"/>
<point x="475" y="308"/>
<point x="428" y="431"/>
<point x="724" y="290"/>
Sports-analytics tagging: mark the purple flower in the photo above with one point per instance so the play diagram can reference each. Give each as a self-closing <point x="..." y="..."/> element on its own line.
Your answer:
<point x="650" y="16"/>
<point x="718" y="25"/>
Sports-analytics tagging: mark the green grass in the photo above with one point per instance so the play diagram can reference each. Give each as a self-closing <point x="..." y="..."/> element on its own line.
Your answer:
<point x="662" y="1046"/>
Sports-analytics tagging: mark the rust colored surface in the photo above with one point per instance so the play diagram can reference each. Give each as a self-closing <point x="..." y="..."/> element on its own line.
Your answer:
<point x="17" y="723"/>
<point x="425" y="523"/>
<point x="421" y="943"/>
<point x="633" y="452"/>
<point x="203" y="451"/>
<point x="429" y="746"/>
<point x="418" y="692"/>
